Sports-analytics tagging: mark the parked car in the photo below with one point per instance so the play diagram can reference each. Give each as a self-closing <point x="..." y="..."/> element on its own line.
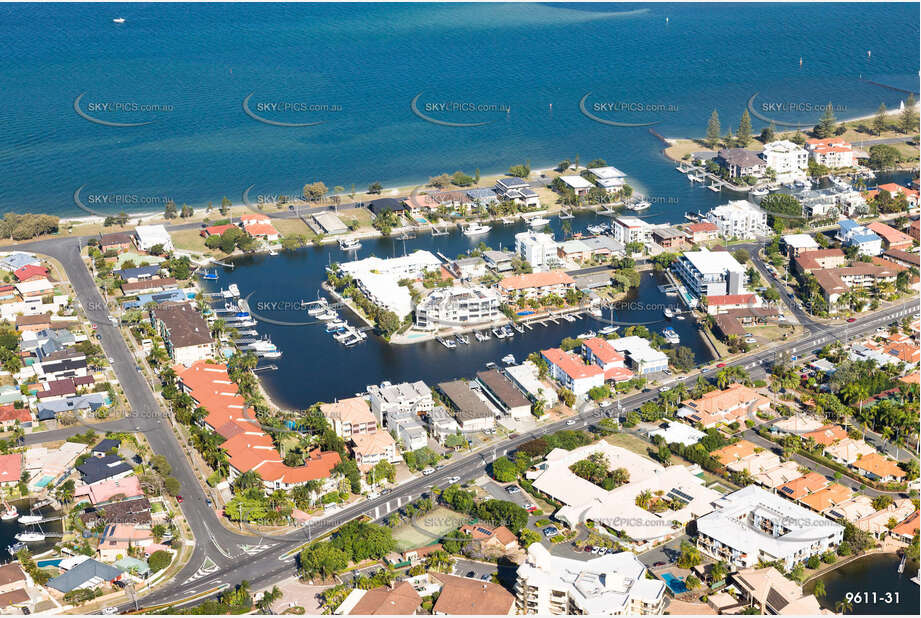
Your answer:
<point x="589" y="548"/>
<point x="658" y="564"/>
<point x="471" y="574"/>
<point x="179" y="499"/>
<point x="453" y="479"/>
<point x="530" y="508"/>
<point x="513" y="489"/>
<point x="852" y="319"/>
<point x="571" y="421"/>
<point x="108" y="611"/>
<point x="484" y="577"/>
<point x="550" y="531"/>
<point x="720" y="365"/>
<point x="428" y="471"/>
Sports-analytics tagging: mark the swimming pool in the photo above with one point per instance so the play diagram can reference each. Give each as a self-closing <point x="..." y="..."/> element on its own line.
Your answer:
<point x="674" y="584"/>
<point x="47" y="563"/>
<point x="43" y="482"/>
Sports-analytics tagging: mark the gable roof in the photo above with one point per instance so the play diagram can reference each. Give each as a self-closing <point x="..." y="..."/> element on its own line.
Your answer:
<point x="401" y="599"/>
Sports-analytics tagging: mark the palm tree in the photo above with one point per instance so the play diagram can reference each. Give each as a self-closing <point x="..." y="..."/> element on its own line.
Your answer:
<point x="843" y="606"/>
<point x="248" y="480"/>
<point x="440" y="561"/>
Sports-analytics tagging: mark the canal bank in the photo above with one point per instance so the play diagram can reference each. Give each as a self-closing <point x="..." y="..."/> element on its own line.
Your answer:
<point x="278" y="285"/>
<point x="871" y="584"/>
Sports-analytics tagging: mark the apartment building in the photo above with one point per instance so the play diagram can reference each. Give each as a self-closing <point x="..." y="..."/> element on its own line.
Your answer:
<point x="392" y="402"/>
<point x="457" y="307"/>
<point x="832" y="152"/>
<point x="537" y="249"/>
<point x="631" y="229"/>
<point x="788" y="160"/>
<point x="710" y="273"/>
<point x="570" y="371"/>
<point x="739" y="219"/>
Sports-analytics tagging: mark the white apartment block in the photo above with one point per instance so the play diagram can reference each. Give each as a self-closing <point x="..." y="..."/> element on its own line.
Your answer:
<point x="610" y="585"/>
<point x="834" y="152"/>
<point x="631" y="229"/>
<point x="710" y="273"/>
<point x="609" y="178"/>
<point x="752" y="525"/>
<point x="537" y="249"/>
<point x="739" y="219"/>
<point x="788" y="160"/>
<point x="393" y="402"/>
<point x="457" y="307"/>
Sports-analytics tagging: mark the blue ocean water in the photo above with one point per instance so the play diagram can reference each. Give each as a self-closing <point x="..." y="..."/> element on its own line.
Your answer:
<point x="364" y="64"/>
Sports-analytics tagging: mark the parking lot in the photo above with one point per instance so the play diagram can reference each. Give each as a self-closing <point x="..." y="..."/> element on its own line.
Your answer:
<point x="473" y="569"/>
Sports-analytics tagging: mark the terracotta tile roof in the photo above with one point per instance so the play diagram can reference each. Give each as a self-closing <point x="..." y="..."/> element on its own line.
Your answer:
<point x="536" y="280"/>
<point x="830" y="496"/>
<point x="30" y="270"/>
<point x="911" y="378"/>
<point x="261" y="229"/>
<point x="905" y="352"/>
<point x="484" y="532"/>
<point x="468" y="597"/>
<point x="827" y="435"/>
<point x="401" y="600"/>
<point x="366" y="444"/>
<point x="217" y="230"/>
<point x="603" y="350"/>
<point x="734" y="401"/>
<point x="254" y="218"/>
<point x="705" y="226"/>
<point x="890" y="234"/>
<point x="10" y="468"/>
<point x="571" y="364"/>
<point x="719" y="300"/>
<point x="352" y="411"/>
<point x="909" y="527"/>
<point x="734" y="452"/>
<point x="618" y="374"/>
<point x="10" y="413"/>
<point x="804" y="485"/>
<point x="809" y="260"/>
<point x="879" y="466"/>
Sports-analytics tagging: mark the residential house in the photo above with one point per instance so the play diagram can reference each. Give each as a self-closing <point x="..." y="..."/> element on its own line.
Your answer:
<point x="490" y="539"/>
<point x="107" y="468"/>
<point x="702" y="232"/>
<point x="400" y="599"/>
<point x="572" y="372"/>
<point x="848" y="451"/>
<point x="349" y="417"/>
<point x="372" y="448"/>
<point x="149" y="236"/>
<point x="10" y="469"/>
<point x="768" y="591"/>
<point x="852" y="234"/>
<point x="732" y="404"/>
<point x="461" y="596"/>
<point x="115" y="241"/>
<point x="794" y="244"/>
<point x="185" y="333"/>
<point x="579" y="185"/>
<point x="739" y="162"/>
<point x="517" y="190"/>
<point x="87" y="574"/>
<point x="878" y="468"/>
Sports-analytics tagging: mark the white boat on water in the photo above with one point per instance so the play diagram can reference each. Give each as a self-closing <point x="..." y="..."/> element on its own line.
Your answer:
<point x="568" y="318"/>
<point x="587" y="335"/>
<point x="9" y="513"/>
<point x="327" y="315"/>
<point x="669" y="313"/>
<point x="596" y="229"/>
<point x="670" y="335"/>
<point x="539" y="222"/>
<point x="318" y="307"/>
<point x="273" y="252"/>
<point x="119" y="20"/>
<point x="476" y="229"/>
<point x="759" y="192"/>
<point x="637" y="205"/>
<point x="607" y="330"/>
<point x="349" y="244"/>
<point x="30" y="537"/>
<point x="508" y="359"/>
<point x="30" y="519"/>
<point x="448" y="343"/>
<point x="499" y="333"/>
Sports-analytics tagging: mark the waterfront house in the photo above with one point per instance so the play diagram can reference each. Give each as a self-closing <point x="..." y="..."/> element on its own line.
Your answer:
<point x="751" y="525"/>
<point x="10" y="469"/>
<point x="330" y="223"/>
<point x="371" y="448"/>
<point x="739" y="219"/>
<point x="85" y="575"/>
<point x="390" y="402"/>
<point x="788" y="160"/>
<point x="185" y="333"/>
<point x="710" y="273"/>
<point x="151" y="285"/>
<point x="349" y="417"/>
<point x="732" y="404"/>
<point x="259" y="225"/>
<point x="535" y="285"/>
<point x="383" y="204"/>
<point x="526" y="377"/>
<point x="908" y="529"/>
<point x="717" y="304"/>
<point x="441" y="423"/>
<point x="468" y="268"/>
<point x="517" y="190"/>
<point x="139" y="273"/>
<point x="570" y="371"/>
<point x="107" y="468"/>
<point x="609" y="585"/>
<point x="892" y="238"/>
<point x="768" y="591"/>
<point x="537" y="249"/>
<point x="642" y="357"/>
<point x="832" y="152"/>
<point x="115" y="241"/>
<point x="628" y="230"/>
<point x="499" y="261"/>
<point x="481" y="196"/>
<point x="217" y="230"/>
<point x="669" y="237"/>
<point x="739" y="162"/>
<point x="104" y="491"/>
<point x="458" y="307"/>
<point x="702" y="232"/>
<point x="878" y="523"/>
<point x="471" y="411"/>
<point x="149" y="236"/>
<point x="894" y="190"/>
<point x="504" y="394"/>
<point x="608" y="178"/>
<point x="580" y="186"/>
<point x="134" y="510"/>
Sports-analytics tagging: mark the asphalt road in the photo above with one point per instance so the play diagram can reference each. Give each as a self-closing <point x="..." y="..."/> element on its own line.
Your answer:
<point x="234" y="555"/>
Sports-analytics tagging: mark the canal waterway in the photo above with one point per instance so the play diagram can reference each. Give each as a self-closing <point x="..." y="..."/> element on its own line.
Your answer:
<point x="875" y="586"/>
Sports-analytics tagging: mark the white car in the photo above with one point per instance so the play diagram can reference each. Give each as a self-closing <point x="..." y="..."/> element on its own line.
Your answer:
<point x="428" y="471"/>
<point x="109" y="610"/>
<point x="571" y="421"/>
<point x="453" y="479"/>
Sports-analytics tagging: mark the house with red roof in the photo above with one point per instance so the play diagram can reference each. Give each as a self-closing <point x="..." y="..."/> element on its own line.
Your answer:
<point x="599" y="352"/>
<point x="723" y="303"/>
<point x="10" y="469"/>
<point x="892" y="238"/>
<point x="571" y="371"/>
<point x="703" y="231"/>
<point x="217" y="230"/>
<point x="31" y="271"/>
<point x="10" y="415"/>
<point x="893" y="189"/>
<point x="833" y="152"/>
<point x="259" y="226"/>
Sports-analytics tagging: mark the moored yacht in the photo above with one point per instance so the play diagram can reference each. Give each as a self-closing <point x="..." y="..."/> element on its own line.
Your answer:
<point x="476" y="229"/>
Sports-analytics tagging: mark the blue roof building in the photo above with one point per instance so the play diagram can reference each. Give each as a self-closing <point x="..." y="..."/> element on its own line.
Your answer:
<point x="852" y="234"/>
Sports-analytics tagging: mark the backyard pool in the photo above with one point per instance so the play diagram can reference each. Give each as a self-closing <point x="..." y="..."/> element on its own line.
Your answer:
<point x="47" y="563"/>
<point x="674" y="584"/>
<point x="43" y="482"/>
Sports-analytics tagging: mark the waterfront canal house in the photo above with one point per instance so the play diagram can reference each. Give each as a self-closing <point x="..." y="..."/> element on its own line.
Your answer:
<point x="788" y="160"/>
<point x="147" y="237"/>
<point x="527" y="377"/>
<point x="669" y="237"/>
<point x="878" y="523"/>
<point x="517" y="190"/>
<point x="537" y="285"/>
<point x="631" y="230"/>
<point x="259" y="226"/>
<point x="608" y="178"/>
<point x="149" y="286"/>
<point x="642" y="357"/>
<point x="537" y="249"/>
<point x="571" y="372"/>
<point x="185" y="333"/>
<point x="468" y="268"/>
<point x="609" y="585"/>
<point x="10" y="469"/>
<point x="770" y="592"/>
<point x="372" y="448"/>
<point x="907" y="529"/>
<point x="732" y="404"/>
<point x="739" y="162"/>
<point x="752" y="525"/>
<point x="458" y="307"/>
<point x="410" y="433"/>
<point x="832" y="152"/>
<point x="504" y="394"/>
<point x="499" y="261"/>
<point x="710" y="273"/>
<point x="349" y="417"/>
<point x="702" y="232"/>
<point x="115" y="241"/>
<point x="470" y="408"/>
<point x="852" y="234"/>
<point x="379" y="279"/>
<point x="600" y="352"/>
<point x="895" y="190"/>
<point x="580" y="186"/>
<point x="393" y="402"/>
<point x="740" y="220"/>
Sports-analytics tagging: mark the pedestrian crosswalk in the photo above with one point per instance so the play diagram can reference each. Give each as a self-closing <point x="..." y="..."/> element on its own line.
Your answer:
<point x="207" y="568"/>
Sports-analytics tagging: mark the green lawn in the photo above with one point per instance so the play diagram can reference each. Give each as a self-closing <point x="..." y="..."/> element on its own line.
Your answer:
<point x="427" y="529"/>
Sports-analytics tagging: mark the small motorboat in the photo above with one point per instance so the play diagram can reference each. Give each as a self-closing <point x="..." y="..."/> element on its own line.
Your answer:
<point x="119" y="20"/>
<point x="607" y="330"/>
<point x="349" y="244"/>
<point x="491" y="365"/>
<point x="16" y="548"/>
<point x="9" y="512"/>
<point x="539" y="222"/>
<point x="587" y="335"/>
<point x="508" y="359"/>
<point x="637" y="205"/>
<point x="670" y="335"/>
<point x="669" y="313"/>
<point x="759" y="192"/>
<point x="327" y="315"/>
<point x="318" y="307"/>
<point x="499" y="333"/>
<point x="476" y="229"/>
<point x="462" y="339"/>
<point x="208" y="275"/>
<point x="273" y="252"/>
